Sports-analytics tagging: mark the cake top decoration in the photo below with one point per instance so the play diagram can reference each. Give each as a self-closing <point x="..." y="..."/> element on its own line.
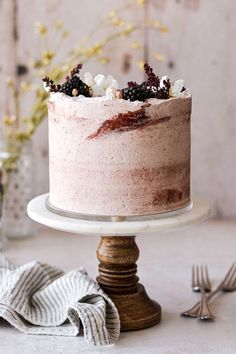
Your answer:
<point x="73" y="86"/>
<point x="152" y="87"/>
<point x="100" y="85"/>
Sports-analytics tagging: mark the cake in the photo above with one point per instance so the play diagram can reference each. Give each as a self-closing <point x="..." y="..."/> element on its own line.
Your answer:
<point x="119" y="152"/>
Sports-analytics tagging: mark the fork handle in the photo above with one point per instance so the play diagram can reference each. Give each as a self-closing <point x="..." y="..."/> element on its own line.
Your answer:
<point x="204" y="309"/>
<point x="214" y="292"/>
<point x="194" y="311"/>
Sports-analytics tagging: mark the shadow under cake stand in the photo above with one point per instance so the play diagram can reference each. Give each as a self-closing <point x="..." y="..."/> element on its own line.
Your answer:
<point x="118" y="253"/>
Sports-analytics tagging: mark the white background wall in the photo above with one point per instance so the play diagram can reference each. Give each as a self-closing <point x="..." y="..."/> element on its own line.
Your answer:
<point x="200" y="48"/>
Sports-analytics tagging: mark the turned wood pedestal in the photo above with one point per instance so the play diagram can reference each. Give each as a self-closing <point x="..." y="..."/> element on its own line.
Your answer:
<point x="118" y="254"/>
<point x="117" y="277"/>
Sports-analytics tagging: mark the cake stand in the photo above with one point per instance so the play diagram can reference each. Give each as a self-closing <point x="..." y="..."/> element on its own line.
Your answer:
<point x="118" y="254"/>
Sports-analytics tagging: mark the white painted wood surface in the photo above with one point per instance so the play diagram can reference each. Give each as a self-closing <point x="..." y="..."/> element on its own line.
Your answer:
<point x="164" y="268"/>
<point x="199" y="47"/>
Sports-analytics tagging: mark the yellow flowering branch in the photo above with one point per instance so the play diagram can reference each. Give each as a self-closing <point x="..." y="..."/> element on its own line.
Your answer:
<point x="21" y="129"/>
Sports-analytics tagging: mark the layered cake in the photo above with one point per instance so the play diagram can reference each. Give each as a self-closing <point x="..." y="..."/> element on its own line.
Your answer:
<point x="119" y="152"/>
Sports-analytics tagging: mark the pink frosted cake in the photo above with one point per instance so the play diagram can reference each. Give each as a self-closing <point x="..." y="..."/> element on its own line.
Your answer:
<point x="119" y="152"/>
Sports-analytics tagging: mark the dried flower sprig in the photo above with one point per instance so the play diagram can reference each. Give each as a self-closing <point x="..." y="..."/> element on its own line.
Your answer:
<point x="76" y="70"/>
<point x="152" y="79"/>
<point x="50" y="85"/>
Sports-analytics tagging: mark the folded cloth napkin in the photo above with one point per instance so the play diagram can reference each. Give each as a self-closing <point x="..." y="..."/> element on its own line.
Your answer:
<point x="37" y="298"/>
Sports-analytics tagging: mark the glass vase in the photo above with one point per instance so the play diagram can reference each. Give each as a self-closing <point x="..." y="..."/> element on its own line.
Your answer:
<point x="3" y="240"/>
<point x="15" y="222"/>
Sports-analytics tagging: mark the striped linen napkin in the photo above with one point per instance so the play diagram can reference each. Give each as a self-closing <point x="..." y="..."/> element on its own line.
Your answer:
<point x="37" y="298"/>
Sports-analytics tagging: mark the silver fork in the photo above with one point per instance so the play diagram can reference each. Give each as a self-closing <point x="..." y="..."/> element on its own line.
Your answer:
<point x="201" y="283"/>
<point x="228" y="284"/>
<point x="196" y="282"/>
<point x="204" y="311"/>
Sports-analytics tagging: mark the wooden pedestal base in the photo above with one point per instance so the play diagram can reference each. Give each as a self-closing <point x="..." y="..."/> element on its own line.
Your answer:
<point x="118" y="254"/>
<point x="117" y="277"/>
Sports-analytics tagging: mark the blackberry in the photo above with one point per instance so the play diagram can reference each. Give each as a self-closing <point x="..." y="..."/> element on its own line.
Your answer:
<point x="74" y="86"/>
<point x="151" y="91"/>
<point x="135" y="93"/>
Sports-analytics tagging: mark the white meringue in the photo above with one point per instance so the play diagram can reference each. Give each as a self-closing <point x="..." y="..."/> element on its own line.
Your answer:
<point x="88" y="79"/>
<point x="100" y="80"/>
<point x="177" y="87"/>
<point x="99" y="84"/>
<point x="111" y="93"/>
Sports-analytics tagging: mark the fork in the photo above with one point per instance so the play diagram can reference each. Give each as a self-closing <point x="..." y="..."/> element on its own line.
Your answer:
<point x="196" y="283"/>
<point x="201" y="282"/>
<point x="228" y="284"/>
<point x="204" y="311"/>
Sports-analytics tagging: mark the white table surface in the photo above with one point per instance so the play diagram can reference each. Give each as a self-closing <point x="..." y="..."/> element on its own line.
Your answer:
<point x="164" y="268"/>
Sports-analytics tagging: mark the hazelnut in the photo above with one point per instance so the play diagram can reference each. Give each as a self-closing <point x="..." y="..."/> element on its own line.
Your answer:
<point x="119" y="94"/>
<point x="75" y="92"/>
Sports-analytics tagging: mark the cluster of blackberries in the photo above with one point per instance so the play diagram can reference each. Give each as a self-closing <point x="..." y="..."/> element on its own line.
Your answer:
<point x="148" y="89"/>
<point x="74" y="86"/>
<point x="136" y="93"/>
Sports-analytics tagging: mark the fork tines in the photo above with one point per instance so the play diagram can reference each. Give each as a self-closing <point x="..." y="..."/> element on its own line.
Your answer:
<point x="196" y="279"/>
